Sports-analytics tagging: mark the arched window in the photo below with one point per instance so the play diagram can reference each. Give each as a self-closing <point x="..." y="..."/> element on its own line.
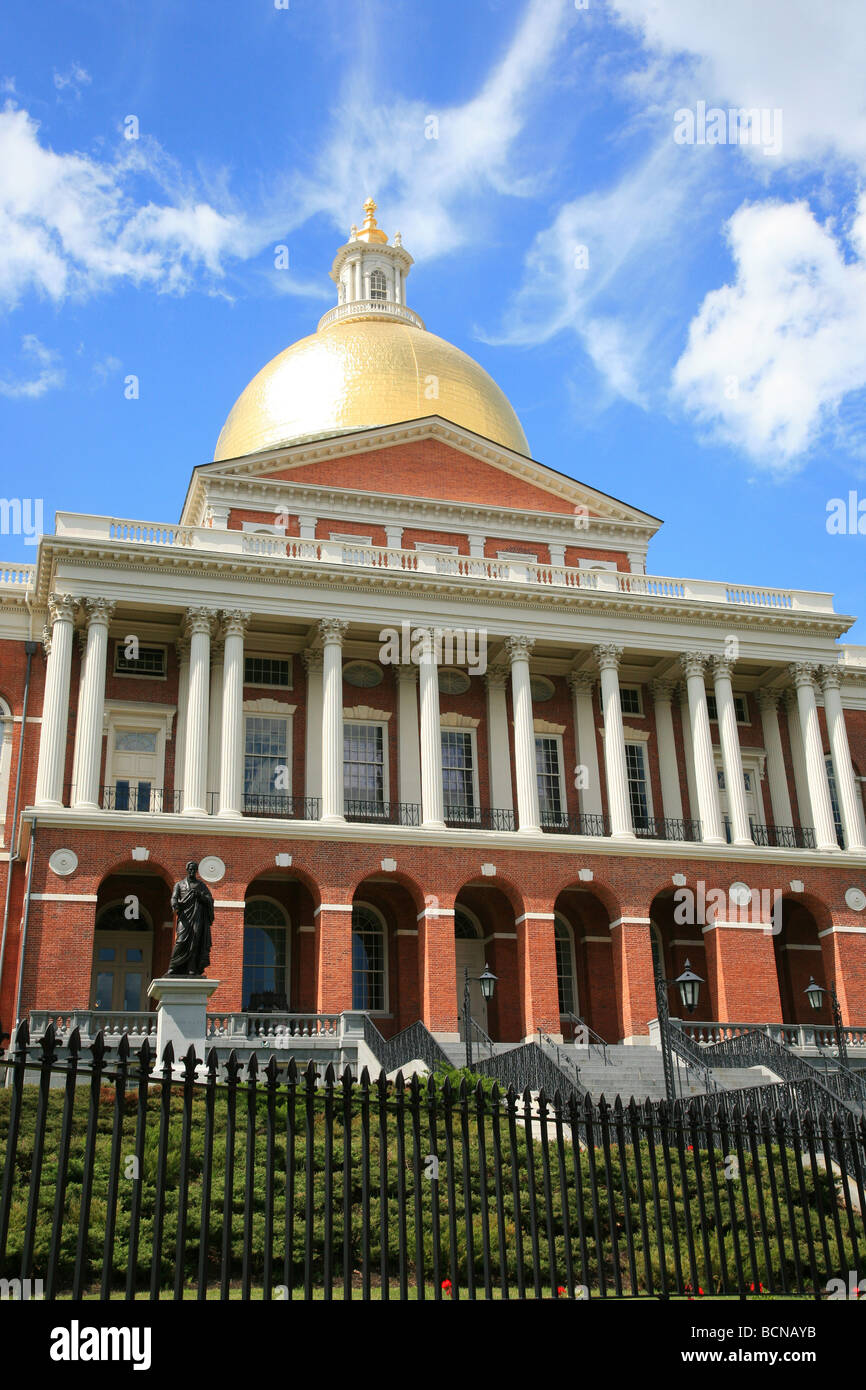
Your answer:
<point x="464" y="928"/>
<point x="265" y="977"/>
<point x="566" y="983"/>
<point x="122" y="952"/>
<point x="378" y="285"/>
<point x="368" y="959"/>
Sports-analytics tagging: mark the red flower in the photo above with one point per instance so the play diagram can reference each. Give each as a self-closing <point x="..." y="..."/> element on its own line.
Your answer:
<point x="446" y="1286"/>
<point x="561" y="1291"/>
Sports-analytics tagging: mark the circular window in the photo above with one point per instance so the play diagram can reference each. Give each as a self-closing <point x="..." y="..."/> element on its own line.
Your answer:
<point x="453" y="682"/>
<point x="542" y="689"/>
<point x="364" y="674"/>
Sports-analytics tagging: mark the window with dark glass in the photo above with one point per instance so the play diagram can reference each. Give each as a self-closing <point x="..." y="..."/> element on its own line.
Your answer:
<point x="368" y="960"/>
<point x="265" y="984"/>
<point x="548" y="777"/>
<point x="637" y="785"/>
<point x="265" y="765"/>
<point x="267" y="670"/>
<point x="458" y="780"/>
<point x="364" y="763"/>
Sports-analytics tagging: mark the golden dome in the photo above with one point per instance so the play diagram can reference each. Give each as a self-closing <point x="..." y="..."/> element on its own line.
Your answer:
<point x="355" y="374"/>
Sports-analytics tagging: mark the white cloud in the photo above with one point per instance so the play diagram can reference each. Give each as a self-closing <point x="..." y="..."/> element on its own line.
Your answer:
<point x="75" y="77"/>
<point x="807" y="59"/>
<point x="771" y="356"/>
<point x="50" y="374"/>
<point x="430" y="188"/>
<point x="70" y="224"/>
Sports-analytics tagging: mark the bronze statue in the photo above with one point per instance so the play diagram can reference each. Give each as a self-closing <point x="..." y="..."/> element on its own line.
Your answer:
<point x="192" y="902"/>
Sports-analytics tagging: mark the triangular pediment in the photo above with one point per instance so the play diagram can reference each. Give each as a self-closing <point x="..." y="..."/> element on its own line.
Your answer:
<point x="430" y="459"/>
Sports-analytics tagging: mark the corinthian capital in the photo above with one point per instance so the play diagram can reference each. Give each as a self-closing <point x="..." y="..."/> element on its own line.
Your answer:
<point x="663" y="691"/>
<point x="313" y="659"/>
<point x="693" y="663"/>
<point x="722" y="666"/>
<point x="768" y="699"/>
<point x="802" y="674"/>
<point x="333" y="630"/>
<point x="200" y="620"/>
<point x="831" y="677"/>
<point x="99" y="610"/>
<point x="582" y="682"/>
<point x="234" y="622"/>
<point x="61" y="608"/>
<point x="519" y="647"/>
<point x="608" y="655"/>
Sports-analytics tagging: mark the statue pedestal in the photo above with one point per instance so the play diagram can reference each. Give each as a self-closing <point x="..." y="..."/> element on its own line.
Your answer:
<point x="181" y="1014"/>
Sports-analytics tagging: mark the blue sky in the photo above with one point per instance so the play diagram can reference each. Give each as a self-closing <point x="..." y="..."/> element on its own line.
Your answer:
<point x="680" y="324"/>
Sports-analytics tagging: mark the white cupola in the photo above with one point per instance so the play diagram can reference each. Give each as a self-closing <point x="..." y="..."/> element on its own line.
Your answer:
<point x="370" y="275"/>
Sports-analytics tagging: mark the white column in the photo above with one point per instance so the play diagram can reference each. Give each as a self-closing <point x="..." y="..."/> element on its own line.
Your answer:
<point x="619" y="806"/>
<point x="232" y="743"/>
<point x="669" y="772"/>
<point x="313" y="659"/>
<point x="332" y="631"/>
<point x="409" y="736"/>
<point x="55" y="703"/>
<point x="846" y="787"/>
<point x="582" y="688"/>
<point x="214" y="724"/>
<point x="91" y="707"/>
<point x="498" y="742"/>
<point x="768" y="703"/>
<point x="813" y="748"/>
<point x="732" y="760"/>
<point x="432" y="797"/>
<point x="525" y="766"/>
<point x="798" y="759"/>
<point x="180" y="724"/>
<point x="200" y="621"/>
<point x="82" y="667"/>
<point x="688" y="750"/>
<point x="706" y="780"/>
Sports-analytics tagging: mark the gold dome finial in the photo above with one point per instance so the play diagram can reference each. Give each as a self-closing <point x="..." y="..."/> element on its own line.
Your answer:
<point x="370" y="231"/>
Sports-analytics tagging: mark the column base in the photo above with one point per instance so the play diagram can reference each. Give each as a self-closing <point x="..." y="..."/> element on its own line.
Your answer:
<point x="332" y="820"/>
<point x="833" y="848"/>
<point x="529" y="830"/>
<point x="194" y="811"/>
<point x="623" y="835"/>
<point x="745" y="843"/>
<point x="226" y="814"/>
<point x="714" y="840"/>
<point x="433" y="825"/>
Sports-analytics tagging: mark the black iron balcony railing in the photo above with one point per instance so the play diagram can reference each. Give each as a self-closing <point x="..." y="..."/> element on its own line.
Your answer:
<point x="279" y="806"/>
<point x="574" y="823"/>
<point x="479" y="818"/>
<point x="783" y="836"/>
<point x="666" y="828"/>
<point x="383" y="812"/>
<point x="132" y="796"/>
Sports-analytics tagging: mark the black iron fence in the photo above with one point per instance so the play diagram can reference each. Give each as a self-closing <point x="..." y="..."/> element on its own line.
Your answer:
<point x="122" y="1178"/>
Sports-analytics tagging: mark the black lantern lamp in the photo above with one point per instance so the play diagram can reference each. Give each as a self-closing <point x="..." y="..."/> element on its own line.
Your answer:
<point x="815" y="995"/>
<point x="689" y="985"/>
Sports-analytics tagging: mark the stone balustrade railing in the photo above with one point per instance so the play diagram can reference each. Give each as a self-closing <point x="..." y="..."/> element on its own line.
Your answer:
<point x="470" y="568"/>
<point x="16" y="576"/>
<point x="112" y="1023"/>
<point x="811" y="1036"/>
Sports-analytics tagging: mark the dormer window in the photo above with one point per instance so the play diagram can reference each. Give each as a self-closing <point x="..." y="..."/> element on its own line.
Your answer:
<point x="378" y="285"/>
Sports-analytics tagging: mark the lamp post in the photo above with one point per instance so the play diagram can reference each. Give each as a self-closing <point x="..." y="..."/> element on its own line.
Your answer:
<point x="689" y="985"/>
<point x="487" y="981"/>
<point x="815" y="995"/>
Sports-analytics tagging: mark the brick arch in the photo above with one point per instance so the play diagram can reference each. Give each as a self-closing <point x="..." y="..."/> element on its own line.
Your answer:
<point x="606" y="896"/>
<point x="293" y="873"/>
<point x="509" y="890"/>
<point x="402" y="880"/>
<point x="804" y="917"/>
<point x="138" y="868"/>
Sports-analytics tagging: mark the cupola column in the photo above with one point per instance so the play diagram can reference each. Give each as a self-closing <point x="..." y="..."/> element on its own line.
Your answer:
<point x="332" y="631"/>
<point x="55" y="705"/>
<point x="91" y="708"/>
<point x="528" y="811"/>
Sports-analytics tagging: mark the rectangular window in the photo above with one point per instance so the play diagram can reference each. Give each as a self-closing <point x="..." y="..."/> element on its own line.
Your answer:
<point x="267" y="670"/>
<point x="741" y="708"/>
<point x="364" y="763"/>
<point x="629" y="699"/>
<point x="458" y="773"/>
<point x="135" y="741"/>
<point x="149" y="662"/>
<point x="550" y="800"/>
<point x="638" y="790"/>
<point x="266" y="765"/>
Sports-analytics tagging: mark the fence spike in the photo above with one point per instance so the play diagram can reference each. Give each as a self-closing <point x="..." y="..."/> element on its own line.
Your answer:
<point x="48" y="1043"/>
<point x="212" y="1063"/>
<point x="190" y="1062"/>
<point x="123" y="1048"/>
<point x="97" y="1047"/>
<point x="253" y="1066"/>
<point x="232" y="1066"/>
<point x="272" y="1070"/>
<point x="22" y="1035"/>
<point x="73" y="1042"/>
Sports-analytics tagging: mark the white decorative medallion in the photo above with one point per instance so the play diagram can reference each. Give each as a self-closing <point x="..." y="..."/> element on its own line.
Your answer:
<point x="211" y="868"/>
<point x="740" y="893"/>
<point x="63" y="862"/>
<point x="856" y="899"/>
<point x="678" y="880"/>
